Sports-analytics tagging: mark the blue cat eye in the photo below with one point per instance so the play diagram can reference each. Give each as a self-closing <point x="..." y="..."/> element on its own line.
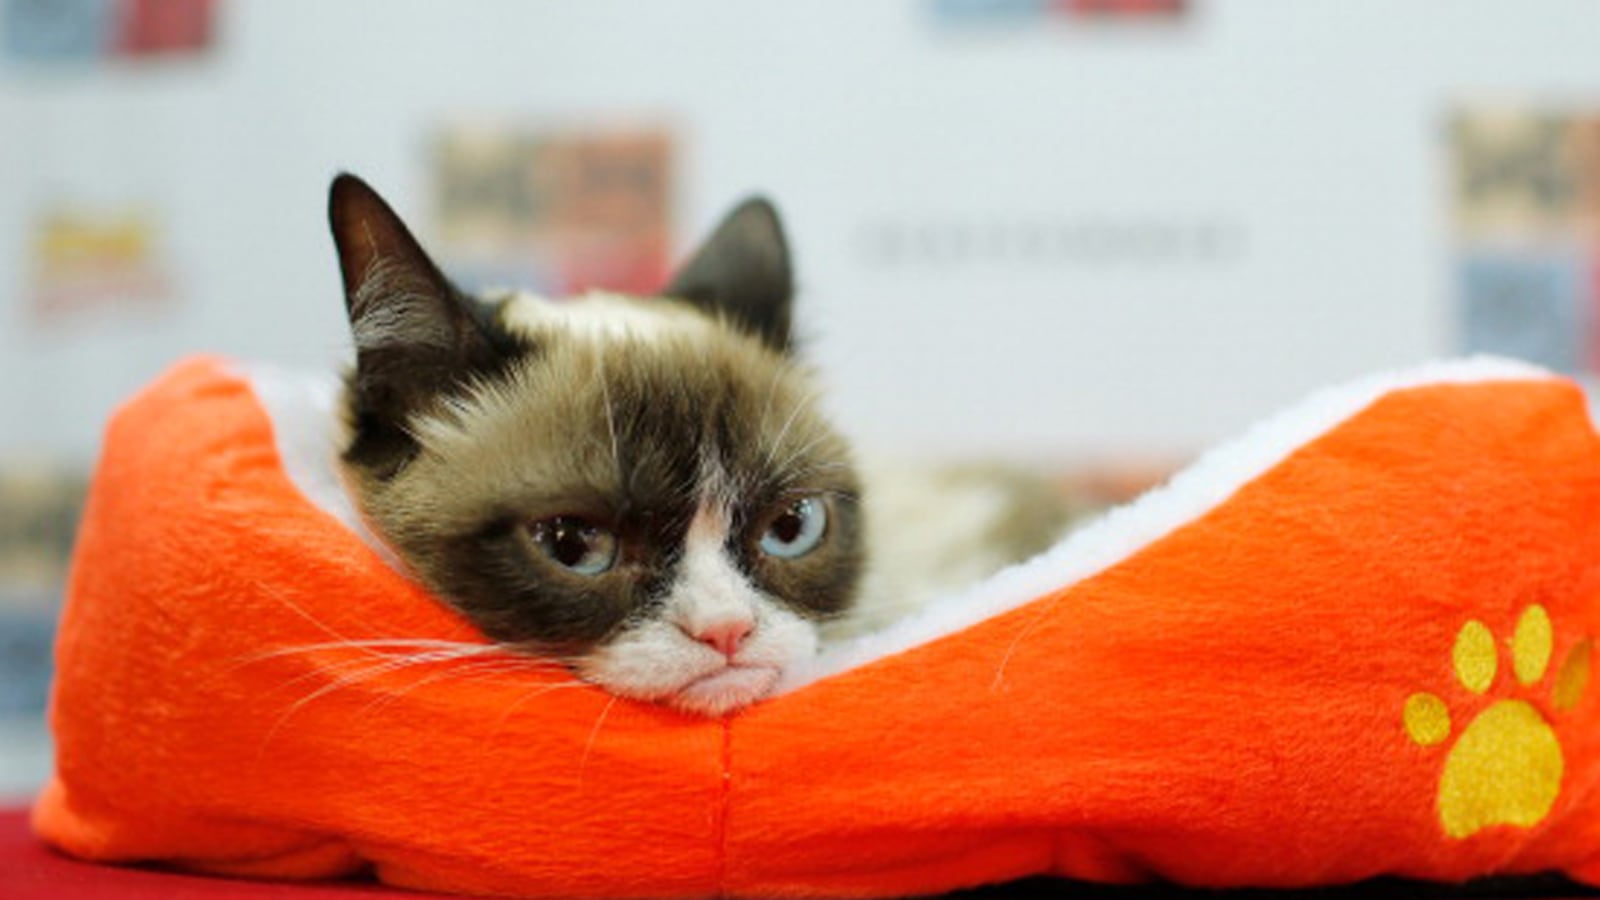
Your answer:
<point x="797" y="530"/>
<point x="575" y="544"/>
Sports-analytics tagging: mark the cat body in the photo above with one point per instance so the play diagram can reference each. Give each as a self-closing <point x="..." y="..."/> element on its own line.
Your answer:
<point x="642" y="488"/>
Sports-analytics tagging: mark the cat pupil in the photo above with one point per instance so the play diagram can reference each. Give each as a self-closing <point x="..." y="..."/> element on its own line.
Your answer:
<point x="577" y="545"/>
<point x="787" y="527"/>
<point x="570" y="546"/>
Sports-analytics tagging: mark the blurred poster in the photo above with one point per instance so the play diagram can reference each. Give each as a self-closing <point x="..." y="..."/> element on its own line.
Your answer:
<point x="1516" y="173"/>
<point x="165" y="27"/>
<point x="89" y="264"/>
<point x="56" y="30"/>
<point x="1526" y="304"/>
<point x="558" y="212"/>
<point x="1042" y="12"/>
<point x="1124" y="9"/>
<point x="41" y="505"/>
<point x="1525" y="210"/>
<point x="85" y="31"/>
<point x="41" y="514"/>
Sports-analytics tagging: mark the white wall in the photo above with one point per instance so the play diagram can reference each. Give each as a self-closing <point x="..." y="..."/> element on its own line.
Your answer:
<point x="1303" y="138"/>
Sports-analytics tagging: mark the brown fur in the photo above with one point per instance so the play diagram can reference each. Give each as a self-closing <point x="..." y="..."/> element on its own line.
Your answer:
<point x="616" y="432"/>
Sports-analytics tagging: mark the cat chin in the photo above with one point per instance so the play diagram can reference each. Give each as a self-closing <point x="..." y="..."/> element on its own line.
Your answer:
<point x="718" y="692"/>
<point x="657" y="662"/>
<point x="724" y="691"/>
<point x="711" y="691"/>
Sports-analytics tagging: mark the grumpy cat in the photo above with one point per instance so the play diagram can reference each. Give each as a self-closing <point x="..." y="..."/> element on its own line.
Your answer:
<point x="640" y="487"/>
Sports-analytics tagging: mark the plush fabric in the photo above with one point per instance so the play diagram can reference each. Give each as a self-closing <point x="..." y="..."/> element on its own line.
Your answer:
<point x="1354" y="642"/>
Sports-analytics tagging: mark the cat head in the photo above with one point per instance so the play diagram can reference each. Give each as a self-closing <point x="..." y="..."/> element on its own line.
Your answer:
<point x="642" y="487"/>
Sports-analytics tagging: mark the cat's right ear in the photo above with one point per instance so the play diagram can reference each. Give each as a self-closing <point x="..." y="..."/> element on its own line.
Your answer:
<point x="379" y="258"/>
<point x="416" y="336"/>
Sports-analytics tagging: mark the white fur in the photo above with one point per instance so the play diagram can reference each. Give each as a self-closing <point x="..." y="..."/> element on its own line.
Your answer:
<point x="400" y="318"/>
<point x="711" y="592"/>
<point x="603" y="317"/>
<point x="665" y="659"/>
<point x="304" y="409"/>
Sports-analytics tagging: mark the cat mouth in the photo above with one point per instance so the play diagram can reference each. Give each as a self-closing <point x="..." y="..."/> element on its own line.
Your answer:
<point x="725" y="690"/>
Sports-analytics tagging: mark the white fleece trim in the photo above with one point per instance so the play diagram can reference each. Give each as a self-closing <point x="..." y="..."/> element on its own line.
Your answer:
<point x="304" y="409"/>
<point x="1124" y="531"/>
<point x="305" y="419"/>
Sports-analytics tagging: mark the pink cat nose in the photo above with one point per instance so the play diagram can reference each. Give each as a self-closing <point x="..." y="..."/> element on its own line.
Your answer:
<point x="724" y="637"/>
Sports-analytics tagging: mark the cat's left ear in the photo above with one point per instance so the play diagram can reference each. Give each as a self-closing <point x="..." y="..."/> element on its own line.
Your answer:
<point x="416" y="337"/>
<point x="742" y="274"/>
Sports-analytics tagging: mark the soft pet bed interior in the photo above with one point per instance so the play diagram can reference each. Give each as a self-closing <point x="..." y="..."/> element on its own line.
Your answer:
<point x="1354" y="642"/>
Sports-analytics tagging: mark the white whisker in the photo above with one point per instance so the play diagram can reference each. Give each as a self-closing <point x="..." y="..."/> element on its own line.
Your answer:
<point x="800" y="451"/>
<point x="611" y="417"/>
<point x="530" y="694"/>
<point x="373" y="646"/>
<point x="471" y="670"/>
<point x="1011" y="649"/>
<point x="349" y="672"/>
<point x="772" y="395"/>
<point x="588" y="747"/>
<point x="776" y="444"/>
<point x="300" y="611"/>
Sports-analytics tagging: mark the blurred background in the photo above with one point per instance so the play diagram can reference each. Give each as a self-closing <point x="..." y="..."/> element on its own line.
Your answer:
<point x="1090" y="235"/>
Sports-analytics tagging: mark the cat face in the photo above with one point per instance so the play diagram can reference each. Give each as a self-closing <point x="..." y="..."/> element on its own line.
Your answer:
<point x="643" y="488"/>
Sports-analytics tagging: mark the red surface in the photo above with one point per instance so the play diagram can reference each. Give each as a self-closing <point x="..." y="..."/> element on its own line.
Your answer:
<point x="31" y="871"/>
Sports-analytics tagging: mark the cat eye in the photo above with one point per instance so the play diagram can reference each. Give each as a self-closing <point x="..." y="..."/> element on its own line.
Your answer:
<point x="576" y="544"/>
<point x="797" y="530"/>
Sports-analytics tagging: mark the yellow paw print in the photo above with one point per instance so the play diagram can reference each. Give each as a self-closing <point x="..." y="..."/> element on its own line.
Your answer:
<point x="1505" y="768"/>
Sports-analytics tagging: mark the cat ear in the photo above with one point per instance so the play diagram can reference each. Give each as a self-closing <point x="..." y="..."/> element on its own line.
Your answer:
<point x="742" y="274"/>
<point x="415" y="334"/>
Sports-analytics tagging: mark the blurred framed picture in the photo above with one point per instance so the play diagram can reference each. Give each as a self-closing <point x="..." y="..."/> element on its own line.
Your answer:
<point x="1525" y="221"/>
<point x="96" y="263"/>
<point x="86" y="31"/>
<point x="557" y="211"/>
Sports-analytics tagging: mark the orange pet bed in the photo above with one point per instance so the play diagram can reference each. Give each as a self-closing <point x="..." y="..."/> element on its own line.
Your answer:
<point x="1354" y="642"/>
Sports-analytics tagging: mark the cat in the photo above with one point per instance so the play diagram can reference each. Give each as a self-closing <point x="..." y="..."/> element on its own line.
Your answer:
<point x="644" y="488"/>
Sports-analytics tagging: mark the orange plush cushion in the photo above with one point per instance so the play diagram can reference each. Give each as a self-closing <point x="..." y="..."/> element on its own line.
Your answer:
<point x="1354" y="642"/>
